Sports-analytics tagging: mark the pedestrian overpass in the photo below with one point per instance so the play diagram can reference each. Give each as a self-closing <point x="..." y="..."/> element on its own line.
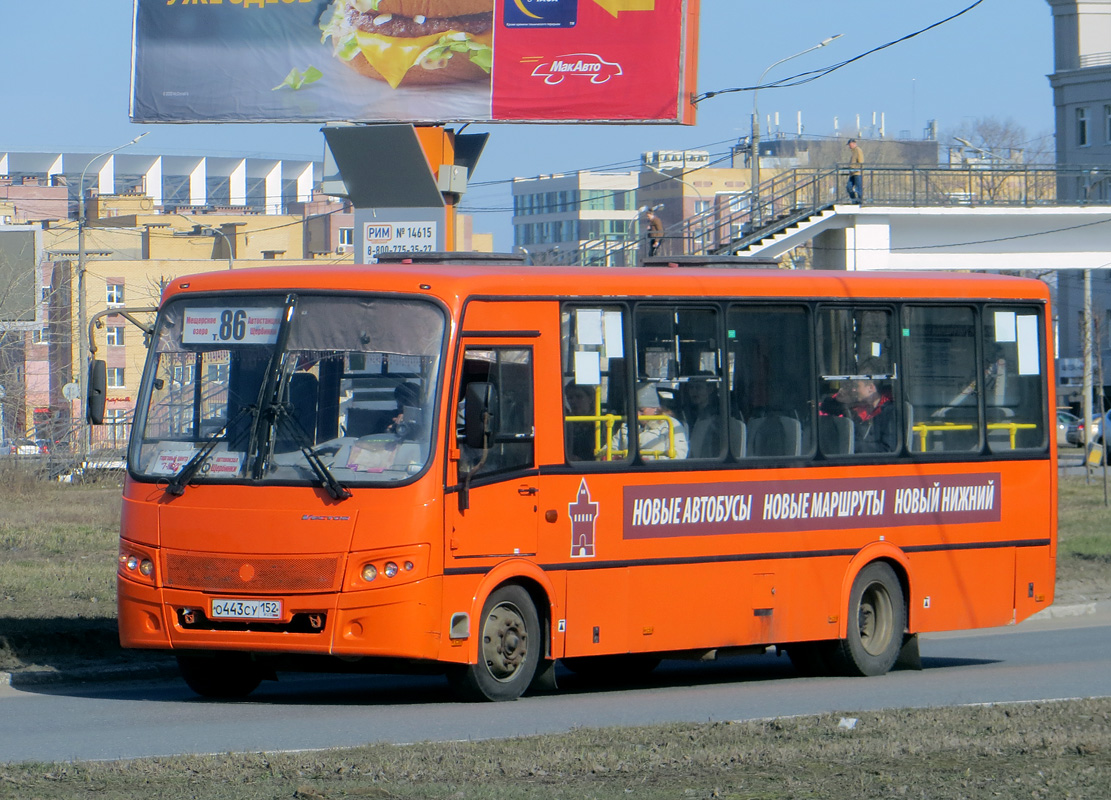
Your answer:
<point x="975" y="218"/>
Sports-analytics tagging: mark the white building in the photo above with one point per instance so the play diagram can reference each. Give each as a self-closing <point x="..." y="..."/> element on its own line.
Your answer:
<point x="580" y="217"/>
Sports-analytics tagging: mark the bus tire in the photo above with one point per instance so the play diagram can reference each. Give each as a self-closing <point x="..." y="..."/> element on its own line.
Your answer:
<point x="877" y="617"/>
<point x="222" y="676"/>
<point x="509" y="649"/>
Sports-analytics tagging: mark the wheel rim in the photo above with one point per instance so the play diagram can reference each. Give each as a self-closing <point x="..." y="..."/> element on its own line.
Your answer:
<point x="875" y="619"/>
<point x="504" y="642"/>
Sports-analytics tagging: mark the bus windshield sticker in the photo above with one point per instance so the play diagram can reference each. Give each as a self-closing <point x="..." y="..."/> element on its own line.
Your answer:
<point x="588" y="323"/>
<point x="223" y="465"/>
<point x="584" y="516"/>
<point x="1028" y="361"/>
<point x="588" y="368"/>
<point x="614" y="334"/>
<point x="1004" y="326"/>
<point x="170" y="462"/>
<point x="231" y="325"/>
<point x="715" y="509"/>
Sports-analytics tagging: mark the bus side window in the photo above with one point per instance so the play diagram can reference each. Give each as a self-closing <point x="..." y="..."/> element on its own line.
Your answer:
<point x="858" y="407"/>
<point x="942" y="387"/>
<point x="1014" y="404"/>
<point x="593" y="355"/>
<point x="506" y="376"/>
<point x="771" y="398"/>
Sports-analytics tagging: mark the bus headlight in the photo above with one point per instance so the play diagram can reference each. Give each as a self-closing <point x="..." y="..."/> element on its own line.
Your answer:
<point x="391" y="569"/>
<point x="370" y="572"/>
<point x="135" y="564"/>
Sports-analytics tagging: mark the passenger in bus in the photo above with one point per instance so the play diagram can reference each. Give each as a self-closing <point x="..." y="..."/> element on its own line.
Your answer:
<point x="995" y="386"/>
<point x="657" y="431"/>
<point x="407" y="396"/>
<point x="579" y="402"/>
<point x="704" y="418"/>
<point x="871" y="410"/>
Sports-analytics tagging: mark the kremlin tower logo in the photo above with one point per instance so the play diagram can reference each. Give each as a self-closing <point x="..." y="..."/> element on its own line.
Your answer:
<point x="583" y="516"/>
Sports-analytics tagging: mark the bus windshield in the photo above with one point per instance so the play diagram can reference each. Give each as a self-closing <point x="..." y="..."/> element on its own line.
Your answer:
<point x="289" y="389"/>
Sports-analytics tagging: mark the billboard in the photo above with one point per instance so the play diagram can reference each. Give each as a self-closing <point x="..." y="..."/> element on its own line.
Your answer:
<point x="20" y="249"/>
<point x="414" y="61"/>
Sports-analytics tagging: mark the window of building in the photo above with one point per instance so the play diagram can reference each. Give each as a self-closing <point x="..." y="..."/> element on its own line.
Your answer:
<point x="114" y="294"/>
<point x="115" y="422"/>
<point x="113" y="335"/>
<point x="115" y="378"/>
<point x="217" y="373"/>
<point x="1082" y="127"/>
<point x="1107" y="124"/>
<point x="346" y="237"/>
<point x="39" y="336"/>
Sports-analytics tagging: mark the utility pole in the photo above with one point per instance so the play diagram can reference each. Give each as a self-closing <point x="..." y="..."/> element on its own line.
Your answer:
<point x="82" y="308"/>
<point x="754" y="158"/>
<point x="1086" y="350"/>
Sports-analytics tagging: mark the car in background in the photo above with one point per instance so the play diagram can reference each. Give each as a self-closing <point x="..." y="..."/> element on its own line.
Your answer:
<point x="1099" y="426"/>
<point x="27" y="447"/>
<point x="1067" y="428"/>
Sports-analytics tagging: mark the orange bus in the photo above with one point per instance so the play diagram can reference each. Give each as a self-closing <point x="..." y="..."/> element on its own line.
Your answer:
<point x="483" y="469"/>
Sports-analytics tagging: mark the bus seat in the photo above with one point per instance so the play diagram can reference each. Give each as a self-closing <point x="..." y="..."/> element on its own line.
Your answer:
<point x="914" y="444"/>
<point x="836" y="435"/>
<point x="774" y="436"/>
<point x="303" y="390"/>
<point x="737" y="435"/>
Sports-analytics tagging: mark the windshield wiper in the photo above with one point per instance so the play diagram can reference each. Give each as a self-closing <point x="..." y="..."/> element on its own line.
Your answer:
<point x="304" y="443"/>
<point x="261" y="443"/>
<point x="273" y="414"/>
<point x="177" y="484"/>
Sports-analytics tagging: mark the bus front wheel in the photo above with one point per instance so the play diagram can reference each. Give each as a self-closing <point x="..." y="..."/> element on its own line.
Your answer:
<point x="220" y="675"/>
<point x="877" y="620"/>
<point x="508" y="650"/>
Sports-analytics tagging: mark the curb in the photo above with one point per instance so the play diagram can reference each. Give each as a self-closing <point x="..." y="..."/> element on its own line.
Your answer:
<point x="165" y="669"/>
<point x="47" y="677"/>
<point x="1063" y="612"/>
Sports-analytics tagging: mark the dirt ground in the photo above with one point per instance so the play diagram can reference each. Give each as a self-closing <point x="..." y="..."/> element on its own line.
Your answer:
<point x="1041" y="751"/>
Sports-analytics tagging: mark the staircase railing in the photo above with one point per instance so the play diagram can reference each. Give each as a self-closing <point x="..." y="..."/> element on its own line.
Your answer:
<point x="732" y="224"/>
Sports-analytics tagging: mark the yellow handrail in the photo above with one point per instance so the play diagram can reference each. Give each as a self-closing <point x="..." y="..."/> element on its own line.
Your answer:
<point x="925" y="428"/>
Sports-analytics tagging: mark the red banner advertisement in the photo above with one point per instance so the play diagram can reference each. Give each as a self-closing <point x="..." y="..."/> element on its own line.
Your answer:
<point x="714" y="509"/>
<point x="414" y="60"/>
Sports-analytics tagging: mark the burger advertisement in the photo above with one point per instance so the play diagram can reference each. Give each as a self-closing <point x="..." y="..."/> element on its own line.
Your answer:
<point x="414" y="60"/>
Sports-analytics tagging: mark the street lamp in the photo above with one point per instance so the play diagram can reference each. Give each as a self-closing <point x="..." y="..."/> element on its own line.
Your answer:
<point x="82" y="354"/>
<point x="199" y="226"/>
<point x="754" y="196"/>
<point x="682" y="210"/>
<point x="988" y="153"/>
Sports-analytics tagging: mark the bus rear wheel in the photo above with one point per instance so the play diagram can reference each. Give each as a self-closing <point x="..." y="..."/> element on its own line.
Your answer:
<point x="508" y="650"/>
<point x="877" y="621"/>
<point x="222" y="676"/>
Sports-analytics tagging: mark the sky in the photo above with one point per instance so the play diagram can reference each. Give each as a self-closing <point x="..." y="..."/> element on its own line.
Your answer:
<point x="67" y="89"/>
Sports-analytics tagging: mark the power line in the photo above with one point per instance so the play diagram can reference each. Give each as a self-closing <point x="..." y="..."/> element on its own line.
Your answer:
<point x="813" y="75"/>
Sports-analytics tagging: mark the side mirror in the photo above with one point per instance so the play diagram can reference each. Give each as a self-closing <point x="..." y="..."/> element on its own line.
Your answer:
<point x="480" y="415"/>
<point x="98" y="386"/>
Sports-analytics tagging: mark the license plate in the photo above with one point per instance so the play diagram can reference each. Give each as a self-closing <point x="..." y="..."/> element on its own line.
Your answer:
<point x="225" y="608"/>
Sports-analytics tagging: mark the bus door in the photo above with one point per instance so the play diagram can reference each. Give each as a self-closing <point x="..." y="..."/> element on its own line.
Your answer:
<point x="493" y="488"/>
